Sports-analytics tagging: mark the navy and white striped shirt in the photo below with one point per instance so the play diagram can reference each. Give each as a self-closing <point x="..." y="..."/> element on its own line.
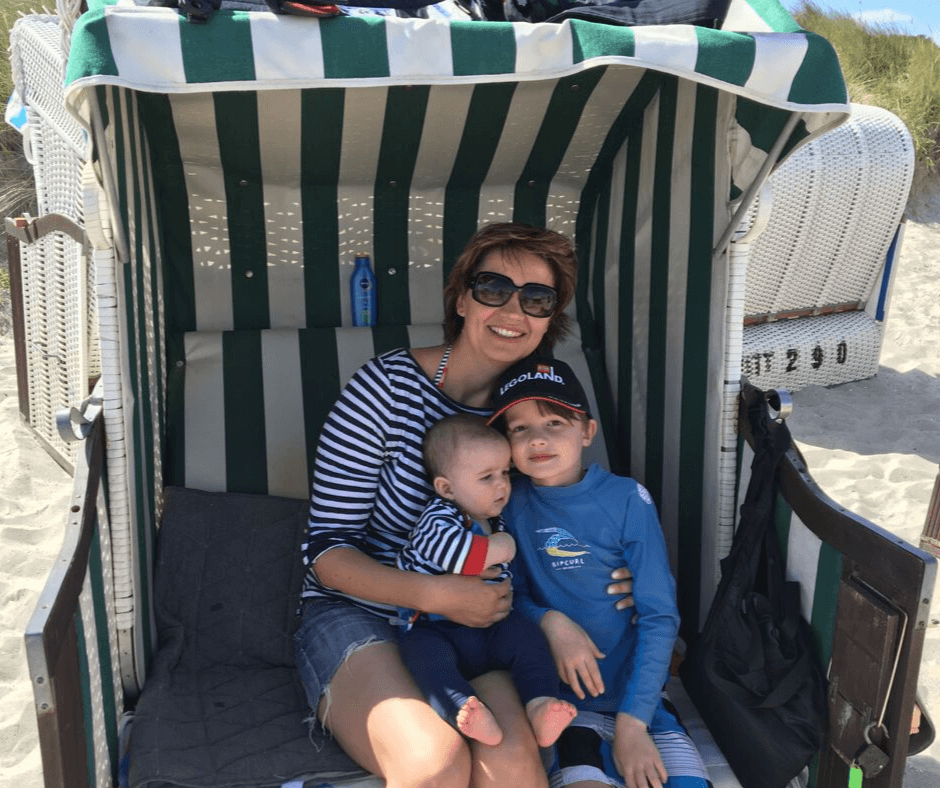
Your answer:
<point x="442" y="543"/>
<point x="369" y="483"/>
<point x="445" y="541"/>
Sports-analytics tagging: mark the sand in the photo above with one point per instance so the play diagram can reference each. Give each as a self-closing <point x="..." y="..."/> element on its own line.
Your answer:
<point x="34" y="497"/>
<point x="873" y="446"/>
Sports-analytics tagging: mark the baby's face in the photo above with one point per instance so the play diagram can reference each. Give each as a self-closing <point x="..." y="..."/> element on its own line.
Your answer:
<point x="479" y="478"/>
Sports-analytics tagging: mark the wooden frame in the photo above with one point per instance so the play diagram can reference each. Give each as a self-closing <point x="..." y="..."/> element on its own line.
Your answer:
<point x="898" y="572"/>
<point x="53" y="645"/>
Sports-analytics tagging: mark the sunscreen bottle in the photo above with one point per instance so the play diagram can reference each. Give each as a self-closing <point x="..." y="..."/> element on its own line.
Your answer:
<point x="362" y="292"/>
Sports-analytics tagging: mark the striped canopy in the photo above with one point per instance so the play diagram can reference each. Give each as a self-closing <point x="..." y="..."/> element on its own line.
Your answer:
<point x="760" y="54"/>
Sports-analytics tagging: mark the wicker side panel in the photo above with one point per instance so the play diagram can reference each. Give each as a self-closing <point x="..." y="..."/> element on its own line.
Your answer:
<point x="60" y="309"/>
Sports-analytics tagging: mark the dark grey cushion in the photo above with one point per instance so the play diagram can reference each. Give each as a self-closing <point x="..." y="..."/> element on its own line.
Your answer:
<point x="222" y="704"/>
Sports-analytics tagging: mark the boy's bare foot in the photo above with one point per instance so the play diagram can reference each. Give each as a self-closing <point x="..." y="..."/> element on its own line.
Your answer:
<point x="549" y="717"/>
<point x="475" y="721"/>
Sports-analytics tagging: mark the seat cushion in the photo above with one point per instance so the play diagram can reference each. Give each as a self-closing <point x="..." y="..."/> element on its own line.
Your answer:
<point x="222" y="704"/>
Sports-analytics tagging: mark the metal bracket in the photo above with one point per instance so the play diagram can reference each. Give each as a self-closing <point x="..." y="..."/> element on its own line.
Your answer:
<point x="779" y="404"/>
<point x="74" y="424"/>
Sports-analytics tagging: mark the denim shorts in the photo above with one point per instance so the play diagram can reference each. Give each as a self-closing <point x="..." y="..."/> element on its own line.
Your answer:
<point x="331" y="631"/>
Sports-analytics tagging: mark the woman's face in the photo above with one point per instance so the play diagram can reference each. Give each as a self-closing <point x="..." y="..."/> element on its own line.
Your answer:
<point x="505" y="333"/>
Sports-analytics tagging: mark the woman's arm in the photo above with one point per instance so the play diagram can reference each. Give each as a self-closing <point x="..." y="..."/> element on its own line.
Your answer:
<point x="622" y="587"/>
<point x="464" y="599"/>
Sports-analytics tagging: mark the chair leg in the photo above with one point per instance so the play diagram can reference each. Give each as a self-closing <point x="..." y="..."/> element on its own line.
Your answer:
<point x="930" y="536"/>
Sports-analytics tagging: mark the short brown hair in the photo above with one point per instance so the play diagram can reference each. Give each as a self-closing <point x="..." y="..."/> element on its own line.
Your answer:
<point x="510" y="238"/>
<point x="442" y="441"/>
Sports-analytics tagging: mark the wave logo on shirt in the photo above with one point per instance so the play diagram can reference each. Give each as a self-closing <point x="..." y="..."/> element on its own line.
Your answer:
<point x="562" y="544"/>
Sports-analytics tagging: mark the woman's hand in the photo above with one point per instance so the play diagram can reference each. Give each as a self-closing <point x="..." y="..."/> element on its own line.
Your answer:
<point x="574" y="652"/>
<point x="468" y="600"/>
<point x="635" y="754"/>
<point x="622" y="587"/>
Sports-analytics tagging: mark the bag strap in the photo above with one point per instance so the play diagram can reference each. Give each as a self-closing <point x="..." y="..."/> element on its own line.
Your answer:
<point x="739" y="568"/>
<point x="786" y="688"/>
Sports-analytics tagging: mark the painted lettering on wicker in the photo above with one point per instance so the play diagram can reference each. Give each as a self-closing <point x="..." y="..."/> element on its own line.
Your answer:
<point x="757" y="364"/>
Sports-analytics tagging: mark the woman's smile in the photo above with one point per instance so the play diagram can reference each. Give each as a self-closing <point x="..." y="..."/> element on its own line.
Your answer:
<point x="506" y="333"/>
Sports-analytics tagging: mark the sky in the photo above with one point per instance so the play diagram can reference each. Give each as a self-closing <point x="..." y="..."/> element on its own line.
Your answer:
<point x="916" y="17"/>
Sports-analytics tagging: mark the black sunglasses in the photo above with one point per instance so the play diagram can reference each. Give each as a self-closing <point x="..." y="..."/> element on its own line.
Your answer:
<point x="492" y="289"/>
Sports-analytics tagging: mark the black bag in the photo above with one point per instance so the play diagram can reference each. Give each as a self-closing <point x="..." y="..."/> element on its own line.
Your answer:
<point x="752" y="673"/>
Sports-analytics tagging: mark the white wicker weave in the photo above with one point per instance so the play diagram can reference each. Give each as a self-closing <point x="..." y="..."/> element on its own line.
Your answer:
<point x="822" y="351"/>
<point x="62" y="348"/>
<point x="837" y="203"/>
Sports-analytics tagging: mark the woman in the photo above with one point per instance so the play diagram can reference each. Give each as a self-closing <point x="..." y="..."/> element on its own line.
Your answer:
<point x="505" y="298"/>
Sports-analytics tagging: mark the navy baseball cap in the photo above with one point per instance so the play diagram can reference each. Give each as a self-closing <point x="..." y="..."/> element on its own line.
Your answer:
<point x="539" y="378"/>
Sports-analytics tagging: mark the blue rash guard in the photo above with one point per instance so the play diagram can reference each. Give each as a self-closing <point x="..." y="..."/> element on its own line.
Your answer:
<point x="568" y="541"/>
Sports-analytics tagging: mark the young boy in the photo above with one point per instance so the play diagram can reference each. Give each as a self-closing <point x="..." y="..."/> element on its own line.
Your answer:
<point x="572" y="526"/>
<point x="461" y="531"/>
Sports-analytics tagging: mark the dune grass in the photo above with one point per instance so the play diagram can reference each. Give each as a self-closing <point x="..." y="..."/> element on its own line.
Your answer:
<point x="882" y="66"/>
<point x="16" y="178"/>
<point x="17" y="193"/>
<point x="888" y="68"/>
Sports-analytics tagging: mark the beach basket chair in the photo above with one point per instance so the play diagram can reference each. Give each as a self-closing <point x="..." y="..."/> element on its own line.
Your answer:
<point x="234" y="170"/>
<point x="819" y="273"/>
<point x="57" y="325"/>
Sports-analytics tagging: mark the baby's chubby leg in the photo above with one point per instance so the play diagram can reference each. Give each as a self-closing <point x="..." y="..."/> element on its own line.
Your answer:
<point x="549" y="717"/>
<point x="475" y="721"/>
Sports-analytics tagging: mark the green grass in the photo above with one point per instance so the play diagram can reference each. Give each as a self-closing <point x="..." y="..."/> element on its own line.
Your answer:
<point x="16" y="181"/>
<point x="887" y="68"/>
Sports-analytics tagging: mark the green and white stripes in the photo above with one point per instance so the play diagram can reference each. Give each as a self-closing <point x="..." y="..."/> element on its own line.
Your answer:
<point x="761" y="53"/>
<point x="762" y="57"/>
<point x="254" y="401"/>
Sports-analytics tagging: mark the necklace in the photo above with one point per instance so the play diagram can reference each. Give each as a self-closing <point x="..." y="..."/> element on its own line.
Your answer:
<point x="442" y="368"/>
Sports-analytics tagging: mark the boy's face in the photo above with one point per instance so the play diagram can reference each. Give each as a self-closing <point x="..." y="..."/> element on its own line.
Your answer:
<point x="478" y="478"/>
<point x="547" y="447"/>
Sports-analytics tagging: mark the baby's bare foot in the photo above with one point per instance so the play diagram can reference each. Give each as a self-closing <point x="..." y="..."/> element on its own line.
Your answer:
<point x="549" y="717"/>
<point x="475" y="721"/>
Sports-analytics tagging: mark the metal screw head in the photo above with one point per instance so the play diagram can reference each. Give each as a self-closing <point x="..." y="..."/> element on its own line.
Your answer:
<point x="392" y="271"/>
<point x="249" y="273"/>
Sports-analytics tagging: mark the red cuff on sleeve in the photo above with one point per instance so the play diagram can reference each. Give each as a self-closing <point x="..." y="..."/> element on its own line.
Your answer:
<point x="476" y="558"/>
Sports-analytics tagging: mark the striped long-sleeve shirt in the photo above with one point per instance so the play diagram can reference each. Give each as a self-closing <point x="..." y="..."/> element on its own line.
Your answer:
<point x="369" y="484"/>
<point x="445" y="542"/>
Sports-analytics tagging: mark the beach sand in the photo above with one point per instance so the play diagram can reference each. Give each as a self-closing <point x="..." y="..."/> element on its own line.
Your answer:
<point x="873" y="446"/>
<point x="34" y="498"/>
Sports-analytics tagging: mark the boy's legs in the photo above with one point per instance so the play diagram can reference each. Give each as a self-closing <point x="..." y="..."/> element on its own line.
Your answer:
<point x="438" y="654"/>
<point x="584" y="758"/>
<point x="517" y="643"/>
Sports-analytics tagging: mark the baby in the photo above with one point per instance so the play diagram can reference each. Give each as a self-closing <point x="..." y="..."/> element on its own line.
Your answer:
<point x="461" y="531"/>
